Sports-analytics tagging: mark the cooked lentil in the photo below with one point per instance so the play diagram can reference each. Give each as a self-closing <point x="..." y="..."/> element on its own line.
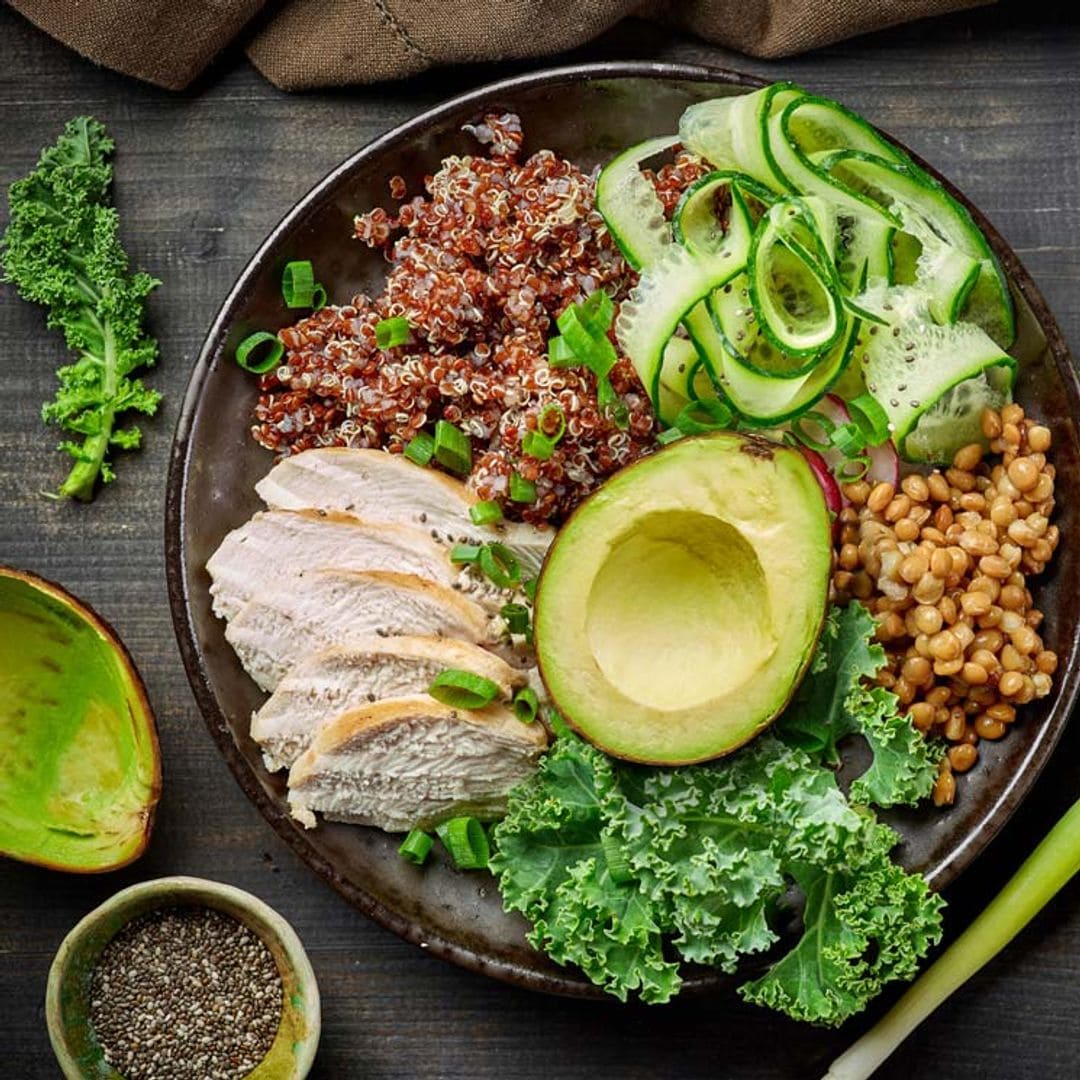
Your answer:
<point x="954" y="607"/>
<point x="481" y="267"/>
<point x="185" y="993"/>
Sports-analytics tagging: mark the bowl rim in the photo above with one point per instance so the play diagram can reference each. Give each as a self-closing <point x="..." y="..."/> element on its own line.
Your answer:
<point x="998" y="810"/>
<point x="182" y="890"/>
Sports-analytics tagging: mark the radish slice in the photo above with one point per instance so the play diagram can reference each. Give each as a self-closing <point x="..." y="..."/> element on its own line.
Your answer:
<point x="884" y="460"/>
<point x="827" y="482"/>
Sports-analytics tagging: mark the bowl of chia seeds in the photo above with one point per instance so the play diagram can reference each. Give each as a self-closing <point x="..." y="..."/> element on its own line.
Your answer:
<point x="183" y="979"/>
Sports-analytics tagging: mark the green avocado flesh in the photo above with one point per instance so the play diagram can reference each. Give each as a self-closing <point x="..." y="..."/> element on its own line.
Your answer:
<point x="79" y="767"/>
<point x="679" y="606"/>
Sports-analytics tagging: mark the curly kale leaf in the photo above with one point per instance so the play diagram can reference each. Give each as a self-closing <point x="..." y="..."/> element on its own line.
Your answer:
<point x="62" y="249"/>
<point x="625" y="871"/>
<point x="834" y="702"/>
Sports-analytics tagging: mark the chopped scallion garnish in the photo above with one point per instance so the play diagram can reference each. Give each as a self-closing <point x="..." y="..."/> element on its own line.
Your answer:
<point x="465" y="553"/>
<point x="870" y="418"/>
<point x="560" y="354"/>
<point x="416" y="846"/>
<point x="819" y="436"/>
<point x="702" y="417"/>
<point x="486" y="512"/>
<point x="299" y="287"/>
<point x="390" y="333"/>
<point x="521" y="490"/>
<point x="462" y="689"/>
<point x="452" y="448"/>
<point x="420" y="448"/>
<point x="516" y="616"/>
<point x="500" y="565"/>
<point x="551" y="423"/>
<point x="849" y="440"/>
<point x="467" y="843"/>
<point x="254" y="343"/>
<point x="530" y="589"/>
<point x="526" y="705"/>
<point x="538" y="446"/>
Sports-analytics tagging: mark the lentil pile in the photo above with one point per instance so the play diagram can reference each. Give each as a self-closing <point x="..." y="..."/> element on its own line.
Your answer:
<point x="944" y="564"/>
<point x="185" y="994"/>
<point x="480" y="267"/>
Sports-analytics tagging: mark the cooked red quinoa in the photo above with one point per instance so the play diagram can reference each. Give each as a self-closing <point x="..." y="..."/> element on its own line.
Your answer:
<point x="481" y="267"/>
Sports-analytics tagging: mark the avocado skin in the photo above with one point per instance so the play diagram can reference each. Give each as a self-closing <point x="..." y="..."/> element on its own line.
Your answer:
<point x="81" y="777"/>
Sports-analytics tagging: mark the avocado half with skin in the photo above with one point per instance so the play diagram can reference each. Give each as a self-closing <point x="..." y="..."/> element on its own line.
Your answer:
<point x="80" y="768"/>
<point x="680" y="605"/>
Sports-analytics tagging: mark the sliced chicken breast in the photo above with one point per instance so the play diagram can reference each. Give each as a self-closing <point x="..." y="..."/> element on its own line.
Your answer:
<point x="336" y="680"/>
<point x="293" y="617"/>
<point x="378" y="486"/>
<point x="412" y="762"/>
<point x="284" y="543"/>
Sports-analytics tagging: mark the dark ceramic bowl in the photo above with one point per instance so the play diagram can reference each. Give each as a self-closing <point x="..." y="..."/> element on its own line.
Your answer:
<point x="583" y="113"/>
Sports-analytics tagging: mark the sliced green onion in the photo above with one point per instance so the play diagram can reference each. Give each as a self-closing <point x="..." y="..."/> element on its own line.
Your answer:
<point x="500" y="565"/>
<point x="851" y="469"/>
<point x="526" y="705"/>
<point x="551" y="423"/>
<point x="610" y="402"/>
<point x="462" y="689"/>
<point x="318" y="301"/>
<point x="618" y="864"/>
<point x="521" y="490"/>
<point x="597" y="312"/>
<point x="298" y="284"/>
<point x="530" y="588"/>
<point x="870" y="418"/>
<point x="536" y="445"/>
<point x="391" y="332"/>
<point x="420" y="448"/>
<point x="486" y="512"/>
<point x="254" y="343"/>
<point x="670" y="435"/>
<point x="452" y="448"/>
<point x="516" y="616"/>
<point x="416" y="846"/>
<point x="596" y="353"/>
<point x="848" y="439"/>
<point x="560" y="354"/>
<point x="464" y="838"/>
<point x="702" y="417"/>
<point x="824" y="425"/>
<point x="465" y="553"/>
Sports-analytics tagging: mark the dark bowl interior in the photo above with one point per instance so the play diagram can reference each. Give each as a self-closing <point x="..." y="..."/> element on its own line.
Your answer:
<point x="582" y="113"/>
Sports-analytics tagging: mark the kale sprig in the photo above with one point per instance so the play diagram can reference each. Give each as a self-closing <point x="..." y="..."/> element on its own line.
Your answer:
<point x="62" y="249"/>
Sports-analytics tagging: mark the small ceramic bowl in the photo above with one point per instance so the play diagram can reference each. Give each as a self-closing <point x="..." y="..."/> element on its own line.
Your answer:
<point x="67" y="999"/>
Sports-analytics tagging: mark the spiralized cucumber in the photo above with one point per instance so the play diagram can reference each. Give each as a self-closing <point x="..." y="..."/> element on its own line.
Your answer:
<point x="815" y="243"/>
<point x="890" y="184"/>
<point x="630" y="206"/>
<point x="933" y="381"/>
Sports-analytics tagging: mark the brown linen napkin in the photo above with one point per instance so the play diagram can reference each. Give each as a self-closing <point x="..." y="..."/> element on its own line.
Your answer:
<point x="299" y="44"/>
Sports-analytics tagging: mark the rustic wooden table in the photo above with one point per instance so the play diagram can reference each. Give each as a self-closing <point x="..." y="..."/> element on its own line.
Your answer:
<point x="990" y="97"/>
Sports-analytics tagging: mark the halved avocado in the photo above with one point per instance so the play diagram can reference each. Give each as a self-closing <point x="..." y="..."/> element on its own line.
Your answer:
<point x="80" y="769"/>
<point x="680" y="605"/>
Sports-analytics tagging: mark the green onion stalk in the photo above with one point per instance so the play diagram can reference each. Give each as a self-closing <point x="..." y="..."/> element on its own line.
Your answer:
<point x="1044" y="873"/>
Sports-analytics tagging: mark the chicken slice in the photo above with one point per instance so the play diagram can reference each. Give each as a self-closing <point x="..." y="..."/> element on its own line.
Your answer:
<point x="336" y="680"/>
<point x="284" y="543"/>
<point x="379" y="486"/>
<point x="412" y="762"/>
<point x="287" y="620"/>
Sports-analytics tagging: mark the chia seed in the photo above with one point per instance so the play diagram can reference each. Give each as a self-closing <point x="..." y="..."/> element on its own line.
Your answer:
<point x="185" y="993"/>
